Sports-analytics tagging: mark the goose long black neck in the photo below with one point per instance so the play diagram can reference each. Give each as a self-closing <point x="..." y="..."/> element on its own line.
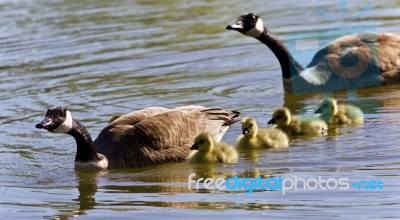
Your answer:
<point x="85" y="147"/>
<point x="290" y="67"/>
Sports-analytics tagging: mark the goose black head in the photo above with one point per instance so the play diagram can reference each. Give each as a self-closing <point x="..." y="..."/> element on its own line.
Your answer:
<point x="248" y="24"/>
<point x="57" y="120"/>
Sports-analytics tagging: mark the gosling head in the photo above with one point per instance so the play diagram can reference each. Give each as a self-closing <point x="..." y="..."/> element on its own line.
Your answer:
<point x="327" y="106"/>
<point x="57" y="120"/>
<point x="281" y="117"/>
<point x="249" y="127"/>
<point x="203" y="142"/>
<point x="248" y="24"/>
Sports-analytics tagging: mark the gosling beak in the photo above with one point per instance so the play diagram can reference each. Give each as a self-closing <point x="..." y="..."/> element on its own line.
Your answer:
<point x="319" y="110"/>
<point x="272" y="121"/>
<point x="194" y="147"/>
<point x="245" y="131"/>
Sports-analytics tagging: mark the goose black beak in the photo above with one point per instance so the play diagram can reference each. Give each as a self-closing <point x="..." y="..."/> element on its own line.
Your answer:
<point x="245" y="131"/>
<point x="319" y="110"/>
<point x="229" y="27"/>
<point x="44" y="124"/>
<point x="39" y="126"/>
<point x="194" y="147"/>
<point x="272" y="121"/>
<point x="235" y="26"/>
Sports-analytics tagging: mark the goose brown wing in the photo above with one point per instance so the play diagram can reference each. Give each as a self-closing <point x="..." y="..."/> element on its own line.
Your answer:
<point x="163" y="138"/>
<point x="359" y="60"/>
<point x="139" y="115"/>
<point x="389" y="57"/>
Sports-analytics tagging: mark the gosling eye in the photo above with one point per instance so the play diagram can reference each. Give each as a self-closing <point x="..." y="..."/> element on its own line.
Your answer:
<point x="251" y="125"/>
<point x="278" y="116"/>
<point x="201" y="142"/>
<point x="324" y="106"/>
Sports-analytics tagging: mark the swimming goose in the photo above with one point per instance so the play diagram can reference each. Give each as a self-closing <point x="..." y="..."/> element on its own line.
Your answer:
<point x="334" y="113"/>
<point x="293" y="125"/>
<point x="205" y="150"/>
<point x="255" y="138"/>
<point x="142" y="138"/>
<point x="352" y="61"/>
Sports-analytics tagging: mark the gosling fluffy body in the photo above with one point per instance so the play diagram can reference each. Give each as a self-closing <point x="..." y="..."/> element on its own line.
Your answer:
<point x="293" y="125"/>
<point x="206" y="150"/>
<point x="334" y="113"/>
<point x="257" y="138"/>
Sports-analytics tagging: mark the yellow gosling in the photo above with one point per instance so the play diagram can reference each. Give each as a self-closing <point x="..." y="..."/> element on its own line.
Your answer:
<point x="255" y="138"/>
<point x="205" y="150"/>
<point x="334" y="113"/>
<point x="292" y="125"/>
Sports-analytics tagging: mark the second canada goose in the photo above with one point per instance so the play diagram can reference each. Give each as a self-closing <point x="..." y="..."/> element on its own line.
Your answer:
<point x="334" y="113"/>
<point x="293" y="125"/>
<point x="143" y="138"/>
<point x="205" y="150"/>
<point x="352" y="61"/>
<point x="255" y="138"/>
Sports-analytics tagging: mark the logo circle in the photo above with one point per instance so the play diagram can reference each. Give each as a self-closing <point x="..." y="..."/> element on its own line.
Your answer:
<point x="348" y="48"/>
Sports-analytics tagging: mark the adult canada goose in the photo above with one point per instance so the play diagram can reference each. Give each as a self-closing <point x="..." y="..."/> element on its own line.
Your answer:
<point x="205" y="150"/>
<point x="255" y="138"/>
<point x="293" y="125"/>
<point x="334" y="113"/>
<point x="142" y="138"/>
<point x="352" y="61"/>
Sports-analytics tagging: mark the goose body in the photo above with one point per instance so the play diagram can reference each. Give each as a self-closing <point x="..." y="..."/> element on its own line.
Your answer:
<point x="257" y="138"/>
<point x="292" y="125"/>
<point x="206" y="150"/>
<point x="142" y="138"/>
<point x="334" y="113"/>
<point x="352" y="61"/>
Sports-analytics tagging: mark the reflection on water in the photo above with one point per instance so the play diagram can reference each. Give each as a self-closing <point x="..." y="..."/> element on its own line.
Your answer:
<point x="104" y="57"/>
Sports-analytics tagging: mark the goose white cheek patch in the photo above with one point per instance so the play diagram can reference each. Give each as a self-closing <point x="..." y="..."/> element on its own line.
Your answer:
<point x="66" y="126"/>
<point x="257" y="30"/>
